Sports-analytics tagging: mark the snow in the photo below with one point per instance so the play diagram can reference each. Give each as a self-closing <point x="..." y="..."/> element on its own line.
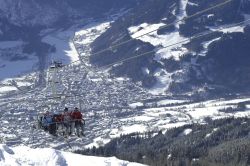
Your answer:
<point x="65" y="51"/>
<point x="206" y="44"/>
<point x="114" y="133"/>
<point x="192" y="4"/>
<point x="159" y="40"/>
<point x="7" y="89"/>
<point x="242" y="114"/>
<point x="72" y="53"/>
<point x="186" y="132"/>
<point x="23" y="83"/>
<point x="87" y="34"/>
<point x="182" y="12"/>
<point x="137" y="104"/>
<point x="163" y="81"/>
<point x="209" y="134"/>
<point x="199" y="113"/>
<point x="145" y="70"/>
<point x="144" y="28"/>
<point x="143" y="118"/>
<point x="227" y="28"/>
<point x="170" y="101"/>
<point x="99" y="141"/>
<point x="22" y="155"/>
<point x="133" y="129"/>
<point x="166" y="46"/>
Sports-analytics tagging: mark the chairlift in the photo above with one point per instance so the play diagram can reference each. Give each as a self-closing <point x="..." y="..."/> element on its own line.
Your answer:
<point x="56" y="64"/>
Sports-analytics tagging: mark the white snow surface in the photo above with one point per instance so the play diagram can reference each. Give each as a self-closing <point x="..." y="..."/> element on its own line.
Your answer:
<point x="226" y="29"/>
<point x="22" y="155"/>
<point x="170" y="101"/>
<point x="206" y="44"/>
<point x="65" y="51"/>
<point x="134" y="105"/>
<point x="166" y="46"/>
<point x="186" y="132"/>
<point x="159" y="41"/>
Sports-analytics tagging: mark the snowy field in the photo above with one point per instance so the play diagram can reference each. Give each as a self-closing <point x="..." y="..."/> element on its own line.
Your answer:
<point x="22" y="155"/>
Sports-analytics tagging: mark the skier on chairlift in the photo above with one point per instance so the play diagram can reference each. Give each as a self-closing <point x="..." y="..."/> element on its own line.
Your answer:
<point x="58" y="118"/>
<point x="47" y="121"/>
<point x="79" y="122"/>
<point x="67" y="121"/>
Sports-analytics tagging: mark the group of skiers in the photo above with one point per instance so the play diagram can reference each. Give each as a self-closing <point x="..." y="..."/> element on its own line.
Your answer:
<point x="66" y="123"/>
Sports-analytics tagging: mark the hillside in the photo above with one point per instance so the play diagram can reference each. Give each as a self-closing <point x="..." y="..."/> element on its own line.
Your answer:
<point x="208" y="60"/>
<point x="220" y="142"/>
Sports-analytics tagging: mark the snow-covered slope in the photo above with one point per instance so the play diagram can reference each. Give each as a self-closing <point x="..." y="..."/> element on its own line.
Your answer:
<point x="22" y="155"/>
<point x="178" y="59"/>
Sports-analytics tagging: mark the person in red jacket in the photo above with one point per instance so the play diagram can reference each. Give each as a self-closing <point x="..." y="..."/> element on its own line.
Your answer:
<point x="79" y="122"/>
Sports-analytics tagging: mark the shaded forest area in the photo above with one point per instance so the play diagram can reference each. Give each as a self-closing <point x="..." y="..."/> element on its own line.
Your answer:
<point x="219" y="142"/>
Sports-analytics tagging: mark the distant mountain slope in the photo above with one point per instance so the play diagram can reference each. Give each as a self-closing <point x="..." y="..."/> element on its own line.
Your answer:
<point x="187" y="66"/>
<point x="48" y="12"/>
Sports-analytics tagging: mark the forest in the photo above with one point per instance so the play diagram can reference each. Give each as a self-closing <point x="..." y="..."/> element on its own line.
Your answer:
<point x="219" y="142"/>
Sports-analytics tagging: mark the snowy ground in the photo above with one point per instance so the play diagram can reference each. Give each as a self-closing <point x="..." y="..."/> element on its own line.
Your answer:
<point x="22" y="155"/>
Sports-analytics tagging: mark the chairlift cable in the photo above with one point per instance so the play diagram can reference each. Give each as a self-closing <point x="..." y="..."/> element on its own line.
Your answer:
<point x="174" y="44"/>
<point x="177" y="43"/>
<point x="165" y="26"/>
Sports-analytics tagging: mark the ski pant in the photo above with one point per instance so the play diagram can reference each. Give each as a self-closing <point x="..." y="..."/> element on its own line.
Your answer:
<point x="79" y="126"/>
<point x="67" y="128"/>
<point x="52" y="128"/>
<point x="60" y="127"/>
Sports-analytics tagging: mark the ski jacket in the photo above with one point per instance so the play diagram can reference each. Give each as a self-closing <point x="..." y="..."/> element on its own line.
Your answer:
<point x="58" y="118"/>
<point x="77" y="115"/>
<point x="47" y="120"/>
<point x="67" y="117"/>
